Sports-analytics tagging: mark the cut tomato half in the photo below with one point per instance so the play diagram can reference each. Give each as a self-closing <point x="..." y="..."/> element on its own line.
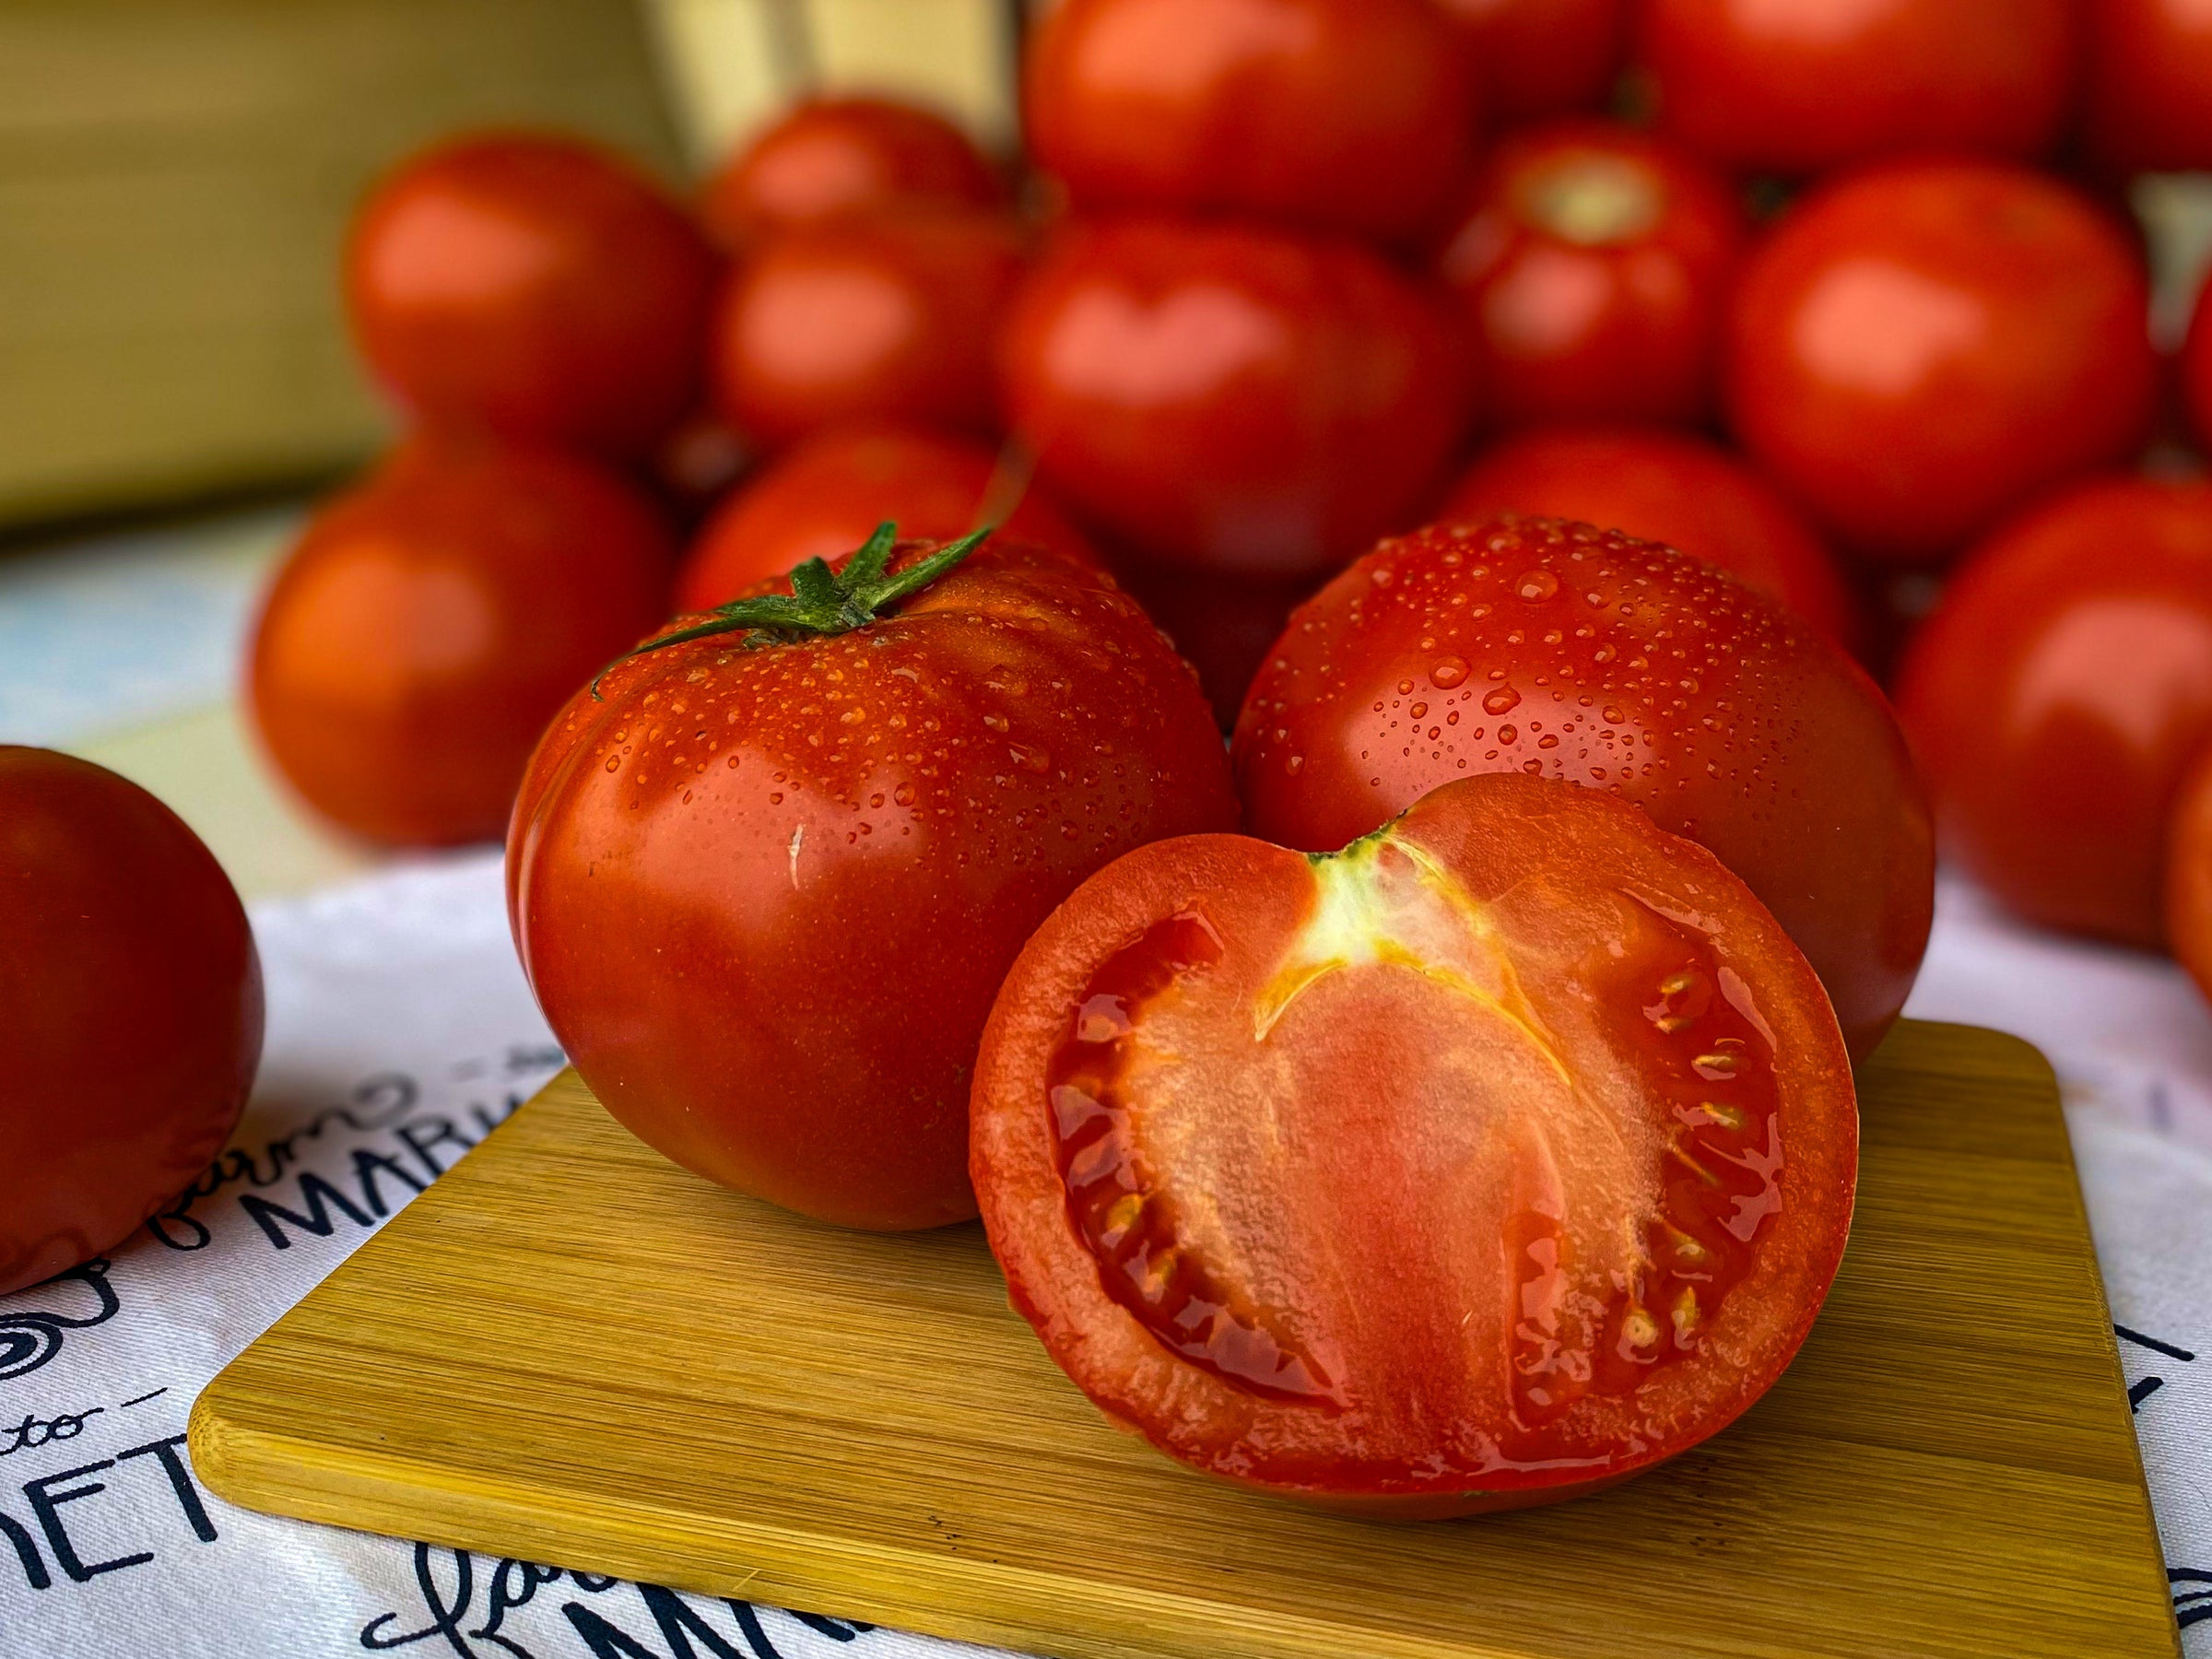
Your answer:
<point x="1497" y="1157"/>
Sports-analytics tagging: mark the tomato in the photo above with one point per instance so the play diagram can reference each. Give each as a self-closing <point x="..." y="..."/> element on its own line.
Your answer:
<point x="2058" y="691"/>
<point x="1795" y="88"/>
<point x="532" y="286"/>
<point x="1670" y="488"/>
<point x="1223" y="623"/>
<point x="1596" y="264"/>
<point x="2150" y="100"/>
<point x="1233" y="397"/>
<point x="829" y="157"/>
<point x="429" y="623"/>
<point x="133" y="1010"/>
<point x="1564" y="651"/>
<point x="1345" y="115"/>
<point x="1535" y="58"/>
<point x="765" y="896"/>
<point x="889" y="317"/>
<point x="1922" y="345"/>
<point x="2188" y="885"/>
<point x="1495" y="1158"/>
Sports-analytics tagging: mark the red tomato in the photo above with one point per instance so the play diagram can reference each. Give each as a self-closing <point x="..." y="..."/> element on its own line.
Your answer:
<point x="831" y="158"/>
<point x="1233" y="397"/>
<point x="2150" y="103"/>
<point x="134" y="1009"/>
<point x="1670" y="488"/>
<point x="889" y="317"/>
<point x="1535" y="58"/>
<point x="824" y="496"/>
<point x="1347" y="115"/>
<point x="1921" y="346"/>
<point x="847" y="835"/>
<point x="2058" y="691"/>
<point x="2188" y="888"/>
<point x="534" y="285"/>
<point x="1596" y="264"/>
<point x="1222" y="624"/>
<point x="1794" y="88"/>
<point x="430" y="622"/>
<point x="1547" y="1209"/>
<point x="1563" y="652"/>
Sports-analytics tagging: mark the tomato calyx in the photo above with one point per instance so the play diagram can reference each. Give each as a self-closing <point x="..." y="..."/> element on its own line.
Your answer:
<point x="822" y="601"/>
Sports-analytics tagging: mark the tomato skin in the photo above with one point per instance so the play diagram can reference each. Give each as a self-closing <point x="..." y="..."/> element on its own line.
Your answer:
<point x="2188" y="888"/>
<point x="1919" y="347"/>
<point x="2058" y="691"/>
<point x="1230" y="397"/>
<point x="1722" y="716"/>
<point x="1537" y="58"/>
<point x="1596" y="264"/>
<point x="2148" y="106"/>
<point x="133" y="1001"/>
<point x="532" y="285"/>
<point x="1355" y="116"/>
<point x="428" y="623"/>
<point x="1412" y="1419"/>
<point x="848" y="840"/>
<point x="1770" y="89"/>
<point x="1672" y="488"/>
<point x="833" y="158"/>
<point x="889" y="317"/>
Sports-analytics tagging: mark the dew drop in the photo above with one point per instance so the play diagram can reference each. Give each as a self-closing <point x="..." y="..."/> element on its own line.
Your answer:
<point x="1536" y="586"/>
<point x="1502" y="700"/>
<point x="1507" y="734"/>
<point x="1296" y="764"/>
<point x="1405" y="688"/>
<point x="1448" y="673"/>
<point x="903" y="794"/>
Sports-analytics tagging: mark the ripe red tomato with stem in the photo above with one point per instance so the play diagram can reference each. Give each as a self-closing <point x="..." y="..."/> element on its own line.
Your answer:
<point x="2057" y="693"/>
<point x="429" y="621"/>
<point x="1565" y="652"/>
<point x="1232" y="397"/>
<point x="1537" y="58"/>
<point x="1800" y="89"/>
<point x="532" y="286"/>
<point x="1919" y="347"/>
<point x="1673" y="487"/>
<point x="841" y="802"/>
<point x="833" y="158"/>
<point x="1354" y="116"/>
<point x="1595" y="264"/>
<point x="133" y="1010"/>
<point x="1579" y="1100"/>
<point x="2148" y="101"/>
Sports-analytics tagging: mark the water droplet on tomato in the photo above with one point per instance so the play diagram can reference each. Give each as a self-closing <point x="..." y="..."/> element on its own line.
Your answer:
<point x="1502" y="702"/>
<point x="1536" y="586"/>
<point x="1507" y="734"/>
<point x="1295" y="764"/>
<point x="903" y="794"/>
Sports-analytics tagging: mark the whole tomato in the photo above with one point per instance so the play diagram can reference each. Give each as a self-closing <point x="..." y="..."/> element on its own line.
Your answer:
<point x="2150" y="98"/>
<point x="824" y="496"/>
<point x="1345" y="115"/>
<point x="429" y="623"/>
<point x="2056" y="694"/>
<point x="532" y="286"/>
<point x="1535" y="58"/>
<point x="2188" y="886"/>
<point x="768" y="874"/>
<point x="1919" y="347"/>
<point x="1596" y="264"/>
<point x="130" y="995"/>
<point x="831" y="158"/>
<point x="1237" y="398"/>
<point x="1795" y="88"/>
<point x="888" y="317"/>
<point x="1561" y="650"/>
<point x="1672" y="488"/>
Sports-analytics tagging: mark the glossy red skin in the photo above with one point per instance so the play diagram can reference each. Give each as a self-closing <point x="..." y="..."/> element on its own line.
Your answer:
<point x="1234" y="398"/>
<point x="1596" y="264"/>
<point x="2188" y="886"/>
<point x="1356" y="116"/>
<point x="2057" y="693"/>
<point x="2148" y="103"/>
<point x="824" y="496"/>
<point x="889" y="317"/>
<point x="1496" y="836"/>
<point x="532" y="285"/>
<point x="431" y="620"/>
<point x="1537" y="58"/>
<point x="831" y="158"/>
<point x="134" y="1005"/>
<point x="1710" y="706"/>
<point x="1783" y="89"/>
<point x="1918" y="348"/>
<point x="1672" y="488"/>
<point x="843" y="843"/>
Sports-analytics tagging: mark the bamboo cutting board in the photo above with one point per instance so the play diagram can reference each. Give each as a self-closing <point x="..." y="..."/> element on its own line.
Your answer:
<point x="573" y="1352"/>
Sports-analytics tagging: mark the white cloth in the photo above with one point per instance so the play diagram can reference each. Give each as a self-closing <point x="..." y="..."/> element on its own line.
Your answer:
<point x="400" y="1029"/>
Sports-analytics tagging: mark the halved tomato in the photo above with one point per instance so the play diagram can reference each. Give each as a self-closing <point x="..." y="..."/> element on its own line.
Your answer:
<point x="1494" y="1159"/>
